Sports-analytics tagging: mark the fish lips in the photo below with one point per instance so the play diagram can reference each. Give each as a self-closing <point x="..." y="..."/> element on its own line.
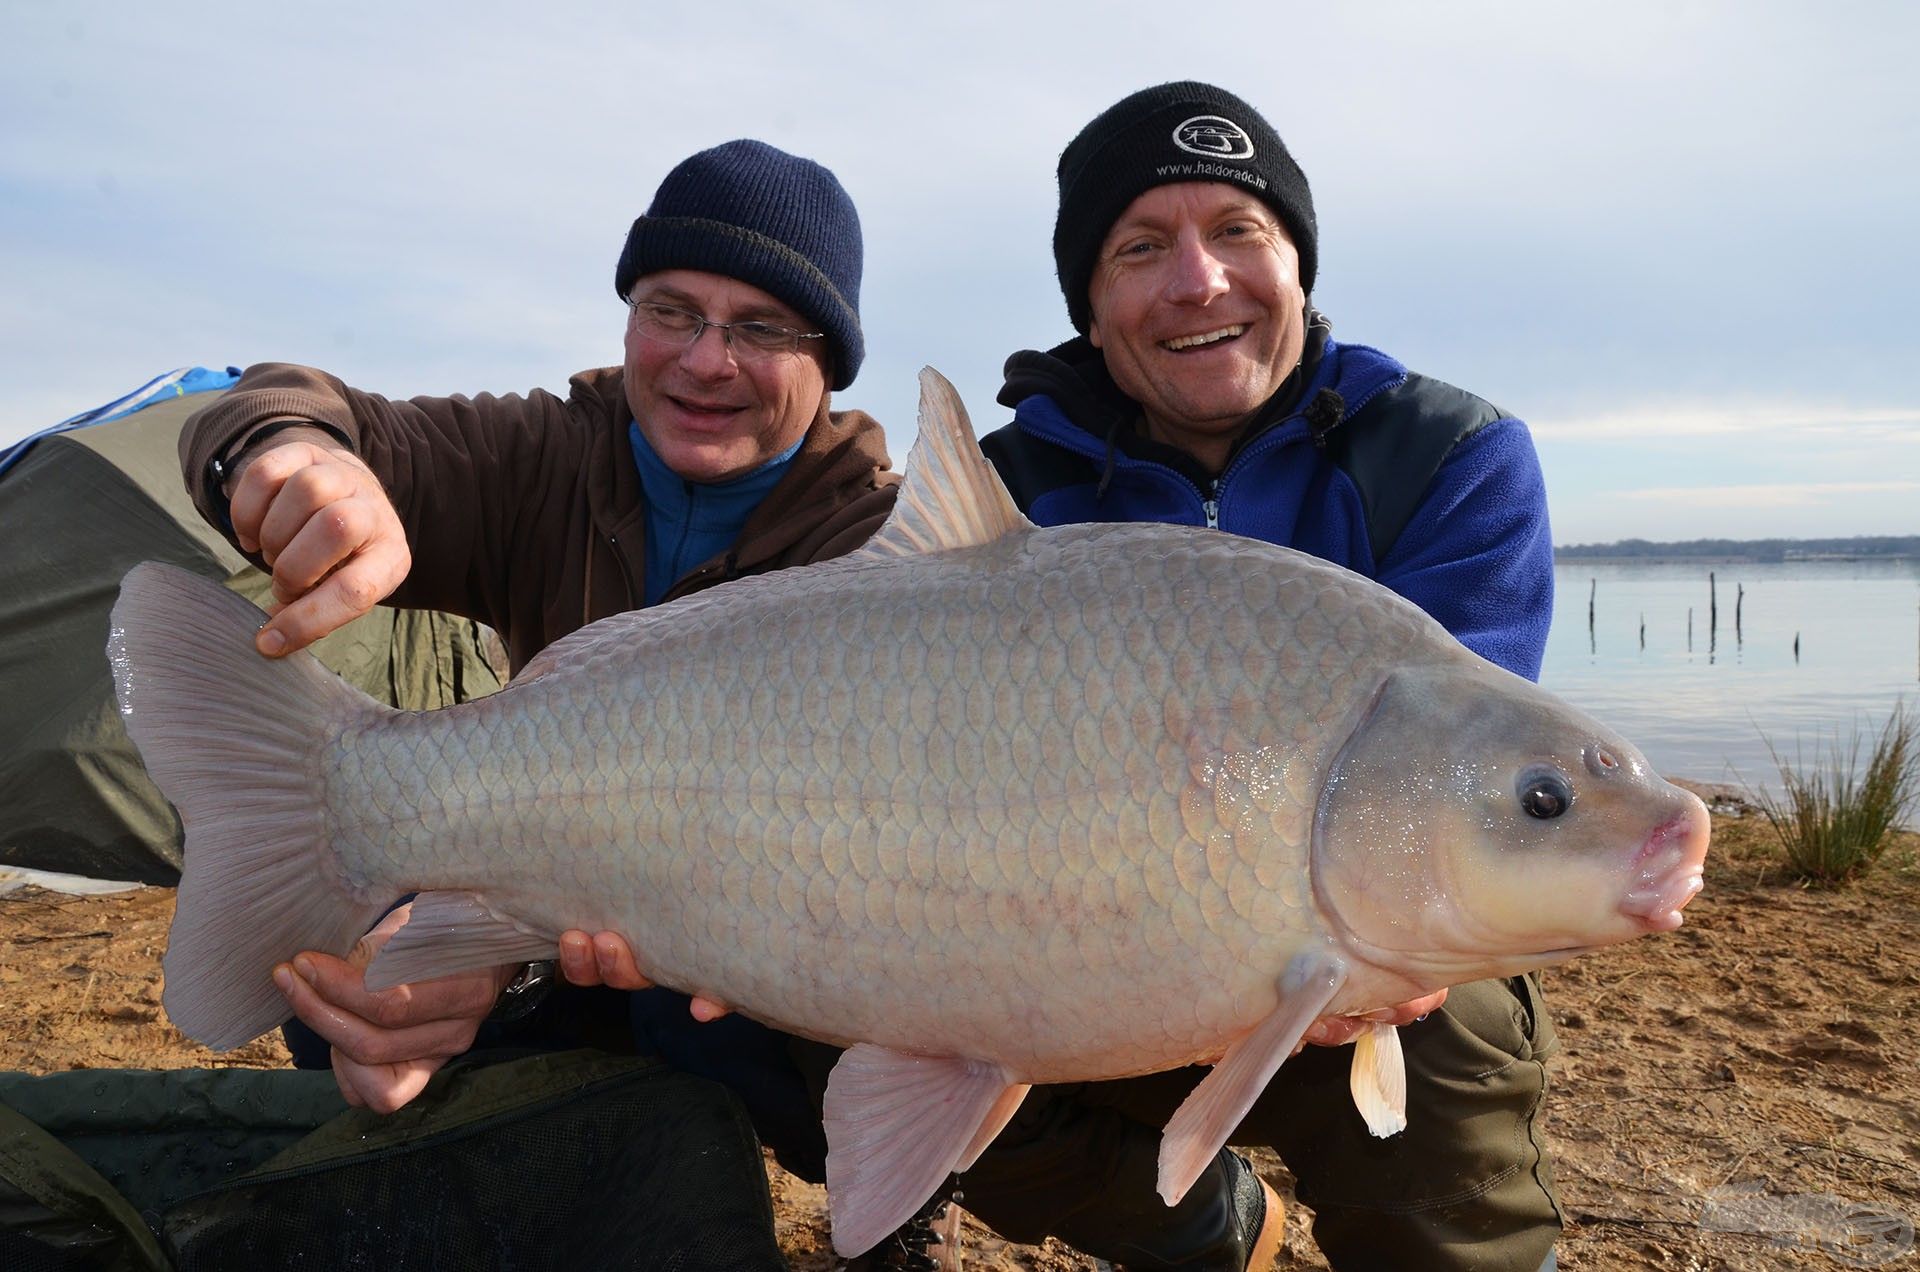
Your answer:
<point x="1669" y="870"/>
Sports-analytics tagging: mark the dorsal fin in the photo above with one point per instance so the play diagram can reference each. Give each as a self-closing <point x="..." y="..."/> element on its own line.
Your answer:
<point x="952" y="498"/>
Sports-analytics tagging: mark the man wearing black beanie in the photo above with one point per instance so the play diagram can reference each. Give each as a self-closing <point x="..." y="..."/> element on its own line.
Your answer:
<point x="1204" y="388"/>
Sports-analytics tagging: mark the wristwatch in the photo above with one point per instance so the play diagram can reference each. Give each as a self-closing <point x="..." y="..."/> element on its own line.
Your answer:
<point x="525" y="991"/>
<point x="224" y="464"/>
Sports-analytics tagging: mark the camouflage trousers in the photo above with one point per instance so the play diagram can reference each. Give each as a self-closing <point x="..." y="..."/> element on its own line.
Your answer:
<point x="1466" y="1186"/>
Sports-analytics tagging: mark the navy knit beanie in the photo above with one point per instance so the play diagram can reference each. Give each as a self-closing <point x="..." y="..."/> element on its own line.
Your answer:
<point x="756" y="213"/>
<point x="1176" y="132"/>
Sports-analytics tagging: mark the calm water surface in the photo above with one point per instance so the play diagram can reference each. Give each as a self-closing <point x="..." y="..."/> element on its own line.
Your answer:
<point x="1698" y="707"/>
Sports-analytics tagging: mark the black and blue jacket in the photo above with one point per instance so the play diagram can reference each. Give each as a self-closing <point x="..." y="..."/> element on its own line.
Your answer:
<point x="1430" y="490"/>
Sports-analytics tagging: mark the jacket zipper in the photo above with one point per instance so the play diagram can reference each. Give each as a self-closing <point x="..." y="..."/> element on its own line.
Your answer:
<point x="686" y="526"/>
<point x="1208" y="499"/>
<point x="1288" y="432"/>
<point x="626" y="572"/>
<point x="1272" y="438"/>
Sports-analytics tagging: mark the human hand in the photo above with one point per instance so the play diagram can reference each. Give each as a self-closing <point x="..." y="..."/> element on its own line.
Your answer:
<point x="1337" y="1031"/>
<point x="605" y="958"/>
<point x="386" y="1044"/>
<point x="321" y="521"/>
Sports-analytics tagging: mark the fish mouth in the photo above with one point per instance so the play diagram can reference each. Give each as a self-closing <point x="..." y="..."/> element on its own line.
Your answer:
<point x="1205" y="338"/>
<point x="1657" y="903"/>
<point x="1668" y="871"/>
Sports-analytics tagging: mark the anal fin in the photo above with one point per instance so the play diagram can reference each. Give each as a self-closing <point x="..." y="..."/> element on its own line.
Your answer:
<point x="1200" y="1126"/>
<point x="448" y="932"/>
<point x="897" y="1125"/>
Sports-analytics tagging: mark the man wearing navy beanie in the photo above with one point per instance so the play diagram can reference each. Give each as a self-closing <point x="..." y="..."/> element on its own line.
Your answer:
<point x="709" y="454"/>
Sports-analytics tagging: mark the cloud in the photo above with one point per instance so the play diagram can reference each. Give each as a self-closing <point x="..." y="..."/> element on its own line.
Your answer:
<point x="1859" y="424"/>
<point x="1763" y="496"/>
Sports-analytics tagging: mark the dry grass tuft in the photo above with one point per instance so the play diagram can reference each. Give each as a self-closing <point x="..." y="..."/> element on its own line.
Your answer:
<point x="1834" y="820"/>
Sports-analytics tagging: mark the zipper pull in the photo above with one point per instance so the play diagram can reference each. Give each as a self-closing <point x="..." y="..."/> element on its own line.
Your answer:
<point x="1211" y="505"/>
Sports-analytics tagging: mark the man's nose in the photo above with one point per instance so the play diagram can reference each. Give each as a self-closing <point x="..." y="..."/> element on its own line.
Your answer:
<point x="710" y="354"/>
<point x="1197" y="275"/>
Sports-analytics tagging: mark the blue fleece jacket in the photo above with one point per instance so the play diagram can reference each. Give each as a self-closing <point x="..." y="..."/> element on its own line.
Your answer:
<point x="1474" y="550"/>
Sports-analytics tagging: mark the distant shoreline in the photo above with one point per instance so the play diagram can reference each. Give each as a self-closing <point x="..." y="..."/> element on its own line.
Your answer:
<point x="1580" y="556"/>
<point x="1746" y="551"/>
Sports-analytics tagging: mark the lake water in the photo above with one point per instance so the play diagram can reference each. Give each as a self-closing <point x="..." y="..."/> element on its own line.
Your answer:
<point x="1699" y="708"/>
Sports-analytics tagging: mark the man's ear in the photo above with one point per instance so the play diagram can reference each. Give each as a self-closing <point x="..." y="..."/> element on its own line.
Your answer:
<point x="1093" y="332"/>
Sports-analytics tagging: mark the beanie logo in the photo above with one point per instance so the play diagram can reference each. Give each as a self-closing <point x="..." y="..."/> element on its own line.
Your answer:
<point x="1214" y="136"/>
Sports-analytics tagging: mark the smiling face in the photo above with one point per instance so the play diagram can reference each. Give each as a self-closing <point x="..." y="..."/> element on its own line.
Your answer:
<point x="709" y="414"/>
<point x="1198" y="309"/>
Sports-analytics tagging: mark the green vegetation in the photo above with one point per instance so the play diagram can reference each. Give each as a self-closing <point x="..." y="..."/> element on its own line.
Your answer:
<point x="1879" y="547"/>
<point x="1834" y="821"/>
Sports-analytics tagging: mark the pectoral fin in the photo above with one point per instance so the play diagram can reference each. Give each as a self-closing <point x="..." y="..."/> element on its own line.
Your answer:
<point x="897" y="1125"/>
<point x="1200" y="1126"/>
<point x="1378" y="1080"/>
<point x="448" y="932"/>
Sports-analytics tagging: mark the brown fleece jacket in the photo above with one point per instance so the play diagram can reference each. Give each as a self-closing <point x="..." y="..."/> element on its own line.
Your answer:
<point x="527" y="513"/>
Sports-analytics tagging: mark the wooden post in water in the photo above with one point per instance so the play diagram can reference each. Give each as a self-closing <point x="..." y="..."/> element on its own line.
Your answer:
<point x="1739" y="600"/>
<point x="1689" y="629"/>
<point x="1593" y="590"/>
<point x="1713" y="617"/>
<point x="1796" y="649"/>
<point x="1643" y="631"/>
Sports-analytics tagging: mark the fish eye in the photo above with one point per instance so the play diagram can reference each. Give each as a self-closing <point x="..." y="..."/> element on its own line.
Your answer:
<point x="1544" y="793"/>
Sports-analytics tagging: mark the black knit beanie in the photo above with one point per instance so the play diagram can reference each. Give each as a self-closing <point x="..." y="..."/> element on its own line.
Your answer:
<point x="756" y="213"/>
<point x="1176" y="132"/>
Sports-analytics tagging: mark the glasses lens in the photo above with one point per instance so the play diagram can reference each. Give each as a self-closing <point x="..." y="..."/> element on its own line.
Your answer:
<point x="664" y="322"/>
<point x="764" y="337"/>
<point x="672" y="325"/>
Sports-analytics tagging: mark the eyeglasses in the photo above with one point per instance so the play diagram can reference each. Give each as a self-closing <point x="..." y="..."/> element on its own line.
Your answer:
<point x="750" y="341"/>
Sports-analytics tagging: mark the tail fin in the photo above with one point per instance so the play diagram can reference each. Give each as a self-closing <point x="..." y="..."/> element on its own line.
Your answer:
<point x="233" y="739"/>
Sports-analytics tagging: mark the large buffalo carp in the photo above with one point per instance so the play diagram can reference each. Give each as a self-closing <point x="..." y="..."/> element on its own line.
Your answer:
<point x="987" y="804"/>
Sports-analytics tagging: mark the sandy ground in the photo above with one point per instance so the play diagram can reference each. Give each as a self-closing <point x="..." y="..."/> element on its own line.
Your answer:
<point x="1742" y="1094"/>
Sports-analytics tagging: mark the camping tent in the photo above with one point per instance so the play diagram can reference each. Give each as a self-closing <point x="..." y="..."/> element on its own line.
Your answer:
<point x="80" y="504"/>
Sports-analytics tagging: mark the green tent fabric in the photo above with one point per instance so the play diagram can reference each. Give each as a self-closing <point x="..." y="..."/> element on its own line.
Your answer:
<point x="77" y="510"/>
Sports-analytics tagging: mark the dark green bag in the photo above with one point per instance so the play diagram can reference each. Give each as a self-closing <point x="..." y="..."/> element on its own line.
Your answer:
<point x="574" y="1160"/>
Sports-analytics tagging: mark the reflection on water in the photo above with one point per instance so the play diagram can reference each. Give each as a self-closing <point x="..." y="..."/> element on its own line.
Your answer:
<point x="1801" y="651"/>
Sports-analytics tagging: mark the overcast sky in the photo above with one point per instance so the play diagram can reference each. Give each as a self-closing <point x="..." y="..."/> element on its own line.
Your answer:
<point x="1677" y="238"/>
